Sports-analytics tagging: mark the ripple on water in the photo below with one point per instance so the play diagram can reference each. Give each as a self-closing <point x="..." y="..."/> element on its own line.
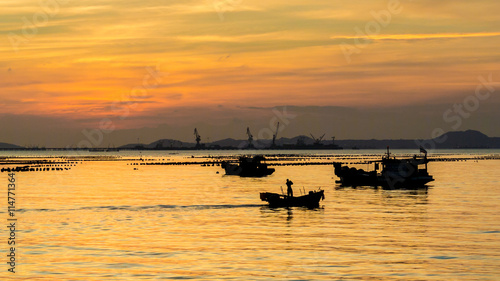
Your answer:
<point x="443" y="257"/>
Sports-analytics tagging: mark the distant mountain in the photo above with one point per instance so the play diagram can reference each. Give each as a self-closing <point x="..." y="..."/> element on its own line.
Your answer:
<point x="377" y="144"/>
<point x="229" y="142"/>
<point x="169" y="143"/>
<point x="4" y="145"/>
<point x="457" y="139"/>
<point x="159" y="144"/>
<point x="466" y="139"/>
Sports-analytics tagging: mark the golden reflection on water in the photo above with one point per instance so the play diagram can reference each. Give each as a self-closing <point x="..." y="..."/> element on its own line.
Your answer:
<point x="105" y="220"/>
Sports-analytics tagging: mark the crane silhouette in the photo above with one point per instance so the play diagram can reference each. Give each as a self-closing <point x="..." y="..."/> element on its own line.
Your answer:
<point x="317" y="141"/>
<point x="273" y="144"/>
<point x="197" y="137"/>
<point x="250" y="138"/>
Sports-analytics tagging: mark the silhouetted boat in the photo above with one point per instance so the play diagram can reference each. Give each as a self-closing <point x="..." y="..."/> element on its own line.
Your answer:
<point x="248" y="167"/>
<point x="396" y="173"/>
<point x="310" y="200"/>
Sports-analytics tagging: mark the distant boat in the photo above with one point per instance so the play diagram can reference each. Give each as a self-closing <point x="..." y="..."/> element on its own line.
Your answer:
<point x="395" y="173"/>
<point x="248" y="167"/>
<point x="310" y="200"/>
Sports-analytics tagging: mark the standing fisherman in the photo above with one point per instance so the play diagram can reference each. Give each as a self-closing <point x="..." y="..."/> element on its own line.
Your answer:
<point x="289" y="190"/>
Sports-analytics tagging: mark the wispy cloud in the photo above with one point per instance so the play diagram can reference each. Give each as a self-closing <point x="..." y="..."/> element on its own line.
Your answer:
<point x="91" y="53"/>
<point x="408" y="37"/>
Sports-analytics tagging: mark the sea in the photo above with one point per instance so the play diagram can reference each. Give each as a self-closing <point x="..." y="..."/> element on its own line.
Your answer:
<point x="175" y="215"/>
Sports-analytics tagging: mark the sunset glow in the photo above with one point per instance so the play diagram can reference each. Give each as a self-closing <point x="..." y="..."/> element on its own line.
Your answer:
<point x="83" y="61"/>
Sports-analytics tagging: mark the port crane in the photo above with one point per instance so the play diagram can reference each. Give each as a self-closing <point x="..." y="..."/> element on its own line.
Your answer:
<point x="197" y="137"/>
<point x="250" y="138"/>
<point x="273" y="144"/>
<point x="317" y="141"/>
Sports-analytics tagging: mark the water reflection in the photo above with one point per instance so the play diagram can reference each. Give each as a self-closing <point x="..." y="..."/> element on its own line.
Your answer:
<point x="391" y="197"/>
<point x="186" y="222"/>
<point x="405" y="197"/>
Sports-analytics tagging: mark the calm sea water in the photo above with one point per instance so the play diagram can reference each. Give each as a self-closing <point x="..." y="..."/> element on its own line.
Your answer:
<point x="113" y="220"/>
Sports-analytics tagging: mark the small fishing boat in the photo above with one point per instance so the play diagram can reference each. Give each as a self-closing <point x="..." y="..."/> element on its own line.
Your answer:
<point x="248" y="167"/>
<point x="395" y="174"/>
<point x="310" y="200"/>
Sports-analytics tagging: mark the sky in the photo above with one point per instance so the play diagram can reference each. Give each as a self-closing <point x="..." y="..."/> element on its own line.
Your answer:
<point x="142" y="70"/>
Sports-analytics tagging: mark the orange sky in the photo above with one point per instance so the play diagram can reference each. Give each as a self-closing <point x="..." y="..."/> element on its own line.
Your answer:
<point x="82" y="61"/>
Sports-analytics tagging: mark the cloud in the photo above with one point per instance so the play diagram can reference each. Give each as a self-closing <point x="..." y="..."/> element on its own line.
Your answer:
<point x="92" y="54"/>
<point x="221" y="122"/>
<point x="410" y="37"/>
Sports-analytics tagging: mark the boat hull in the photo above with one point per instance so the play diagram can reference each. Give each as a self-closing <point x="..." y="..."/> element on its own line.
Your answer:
<point x="387" y="180"/>
<point x="310" y="200"/>
<point x="236" y="170"/>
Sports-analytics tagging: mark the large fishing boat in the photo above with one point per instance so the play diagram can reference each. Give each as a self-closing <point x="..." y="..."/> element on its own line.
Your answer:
<point x="395" y="173"/>
<point x="310" y="200"/>
<point x="248" y="167"/>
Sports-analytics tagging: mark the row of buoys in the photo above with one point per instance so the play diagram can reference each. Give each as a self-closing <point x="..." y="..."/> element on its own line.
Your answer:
<point x="145" y="159"/>
<point x="304" y="161"/>
<point x="300" y="164"/>
<point x="28" y="169"/>
<point x="448" y="160"/>
<point x="208" y="165"/>
<point x="176" y="163"/>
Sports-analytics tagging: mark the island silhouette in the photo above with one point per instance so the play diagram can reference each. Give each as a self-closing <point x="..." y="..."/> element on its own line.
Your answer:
<point x="469" y="139"/>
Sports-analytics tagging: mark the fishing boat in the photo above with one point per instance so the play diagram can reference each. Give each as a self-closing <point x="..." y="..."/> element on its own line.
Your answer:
<point x="310" y="200"/>
<point x="395" y="173"/>
<point x="248" y="167"/>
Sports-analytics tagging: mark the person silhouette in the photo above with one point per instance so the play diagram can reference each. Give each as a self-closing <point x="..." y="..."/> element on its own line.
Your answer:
<point x="289" y="190"/>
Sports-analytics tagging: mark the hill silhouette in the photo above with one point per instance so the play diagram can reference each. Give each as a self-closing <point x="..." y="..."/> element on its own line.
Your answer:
<point x="455" y="139"/>
<point x="4" y="145"/>
<point x="449" y="140"/>
<point x="468" y="139"/>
